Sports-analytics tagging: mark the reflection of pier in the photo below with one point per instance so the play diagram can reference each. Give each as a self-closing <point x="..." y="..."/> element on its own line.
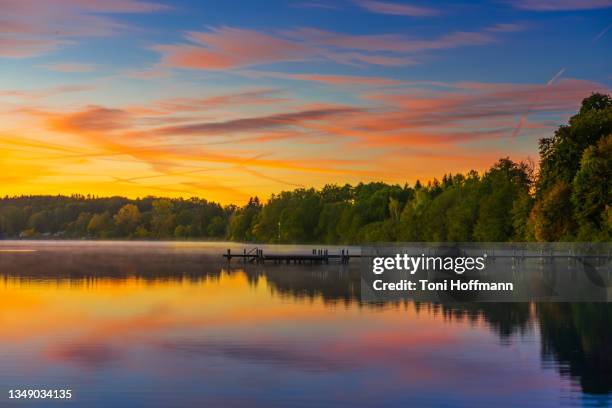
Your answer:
<point x="317" y="257"/>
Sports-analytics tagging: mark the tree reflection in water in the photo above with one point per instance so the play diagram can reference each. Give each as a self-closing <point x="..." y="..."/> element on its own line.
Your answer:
<point x="577" y="337"/>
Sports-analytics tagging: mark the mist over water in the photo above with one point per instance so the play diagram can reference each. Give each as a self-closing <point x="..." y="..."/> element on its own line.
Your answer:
<point x="173" y="324"/>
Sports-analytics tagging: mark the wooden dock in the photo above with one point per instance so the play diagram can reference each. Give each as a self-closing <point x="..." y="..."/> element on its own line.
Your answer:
<point x="318" y="256"/>
<point x="322" y="256"/>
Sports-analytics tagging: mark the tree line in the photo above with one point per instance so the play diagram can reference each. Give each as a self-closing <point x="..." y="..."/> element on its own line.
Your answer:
<point x="567" y="199"/>
<point x="80" y="216"/>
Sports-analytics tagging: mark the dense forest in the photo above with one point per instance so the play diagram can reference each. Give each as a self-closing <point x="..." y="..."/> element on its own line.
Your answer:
<point x="566" y="199"/>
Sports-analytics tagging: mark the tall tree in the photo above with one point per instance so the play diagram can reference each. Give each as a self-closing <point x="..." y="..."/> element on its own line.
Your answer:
<point x="592" y="190"/>
<point x="127" y="219"/>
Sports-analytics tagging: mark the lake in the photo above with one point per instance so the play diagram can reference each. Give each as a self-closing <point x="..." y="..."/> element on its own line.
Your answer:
<point x="129" y="324"/>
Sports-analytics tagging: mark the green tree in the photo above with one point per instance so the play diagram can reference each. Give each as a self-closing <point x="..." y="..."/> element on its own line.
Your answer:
<point x="182" y="231"/>
<point x="560" y="155"/>
<point x="395" y="209"/>
<point x="521" y="209"/>
<point x="551" y="215"/>
<point x="502" y="185"/>
<point x="40" y="221"/>
<point x="101" y="225"/>
<point x="592" y="188"/>
<point x="411" y="229"/>
<point x="574" y="167"/>
<point x="78" y="228"/>
<point x="463" y="215"/>
<point x="163" y="220"/>
<point x="216" y="227"/>
<point x="141" y="232"/>
<point x="12" y="220"/>
<point x="127" y="219"/>
<point x="244" y="220"/>
<point x="570" y="199"/>
<point x="329" y="217"/>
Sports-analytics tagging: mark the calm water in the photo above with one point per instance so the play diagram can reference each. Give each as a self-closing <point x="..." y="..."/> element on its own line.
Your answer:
<point x="171" y="325"/>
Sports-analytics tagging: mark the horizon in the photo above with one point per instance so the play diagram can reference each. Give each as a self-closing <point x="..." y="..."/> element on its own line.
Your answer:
<point x="262" y="199"/>
<point x="185" y="99"/>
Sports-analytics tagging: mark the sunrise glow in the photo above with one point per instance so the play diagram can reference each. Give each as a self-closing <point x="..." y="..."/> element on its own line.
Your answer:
<point x="136" y="98"/>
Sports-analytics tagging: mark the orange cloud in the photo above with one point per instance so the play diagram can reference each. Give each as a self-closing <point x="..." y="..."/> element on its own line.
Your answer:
<point x="93" y="119"/>
<point x="210" y="145"/>
<point x="116" y="136"/>
<point x="431" y="139"/>
<point x="43" y="93"/>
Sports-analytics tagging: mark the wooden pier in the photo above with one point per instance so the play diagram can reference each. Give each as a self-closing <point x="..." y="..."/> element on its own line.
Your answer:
<point x="318" y="256"/>
<point x="322" y="256"/>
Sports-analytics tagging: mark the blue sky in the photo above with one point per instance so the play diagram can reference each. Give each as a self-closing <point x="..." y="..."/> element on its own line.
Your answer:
<point x="195" y="97"/>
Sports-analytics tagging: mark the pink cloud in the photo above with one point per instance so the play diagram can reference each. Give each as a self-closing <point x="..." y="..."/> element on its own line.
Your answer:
<point x="559" y="5"/>
<point x="43" y="93"/>
<point x="341" y="80"/>
<point x="253" y="124"/>
<point x="494" y="97"/>
<point x="229" y="100"/>
<point x="457" y="124"/>
<point x="90" y="6"/>
<point x="32" y="27"/>
<point x="147" y="73"/>
<point x="119" y="132"/>
<point x="316" y="5"/>
<point x="15" y="47"/>
<point x="507" y="27"/>
<point x="356" y="58"/>
<point x="228" y="47"/>
<point x="383" y="7"/>
<point x="69" y="67"/>
<point x="467" y="112"/>
<point x="456" y="113"/>
<point x="140" y="122"/>
<point x="388" y="42"/>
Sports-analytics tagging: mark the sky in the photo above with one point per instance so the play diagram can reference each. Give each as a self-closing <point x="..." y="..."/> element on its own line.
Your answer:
<point x="228" y="100"/>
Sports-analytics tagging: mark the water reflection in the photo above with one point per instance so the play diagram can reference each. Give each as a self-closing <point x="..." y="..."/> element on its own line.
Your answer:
<point x="176" y="326"/>
<point x="579" y="338"/>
